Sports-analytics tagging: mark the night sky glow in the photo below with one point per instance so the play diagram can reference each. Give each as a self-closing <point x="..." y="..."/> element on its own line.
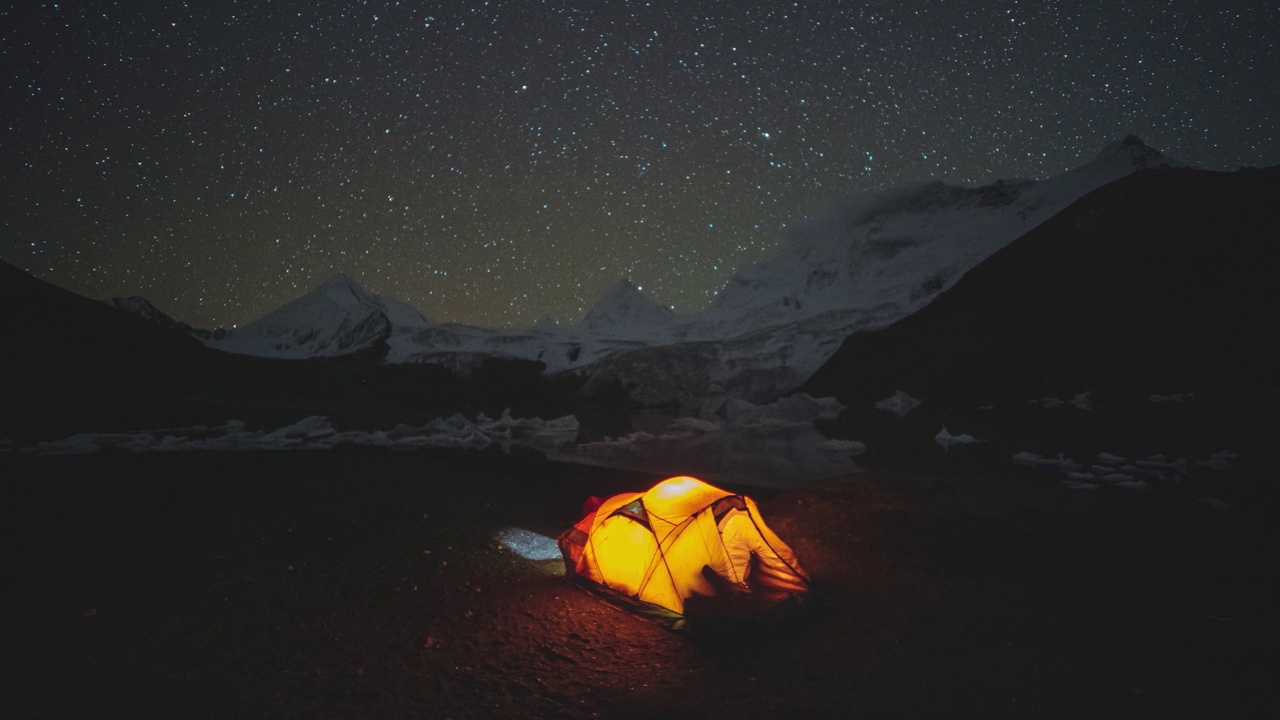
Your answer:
<point x="497" y="162"/>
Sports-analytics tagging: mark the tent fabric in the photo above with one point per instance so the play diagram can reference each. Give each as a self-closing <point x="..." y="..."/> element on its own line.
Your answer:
<point x="681" y="539"/>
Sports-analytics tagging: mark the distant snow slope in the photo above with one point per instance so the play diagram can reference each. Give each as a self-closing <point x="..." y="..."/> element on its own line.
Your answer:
<point x="875" y="262"/>
<point x="861" y="267"/>
<point x="888" y="255"/>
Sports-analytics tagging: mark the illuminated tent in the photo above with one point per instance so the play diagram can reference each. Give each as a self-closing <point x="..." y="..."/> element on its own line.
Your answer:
<point x="681" y="549"/>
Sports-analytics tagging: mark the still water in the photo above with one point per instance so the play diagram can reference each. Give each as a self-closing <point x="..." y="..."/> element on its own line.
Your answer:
<point x="764" y="454"/>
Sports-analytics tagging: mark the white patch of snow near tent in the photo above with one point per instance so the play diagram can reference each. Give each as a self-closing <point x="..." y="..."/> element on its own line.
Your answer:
<point x="528" y="544"/>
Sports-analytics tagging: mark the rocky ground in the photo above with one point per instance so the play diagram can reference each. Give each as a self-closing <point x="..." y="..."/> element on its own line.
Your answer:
<point x="355" y="584"/>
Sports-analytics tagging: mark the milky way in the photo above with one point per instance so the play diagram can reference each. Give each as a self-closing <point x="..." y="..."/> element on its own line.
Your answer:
<point x="499" y="162"/>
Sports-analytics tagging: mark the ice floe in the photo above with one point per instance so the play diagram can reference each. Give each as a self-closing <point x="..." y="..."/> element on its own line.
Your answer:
<point x="317" y="433"/>
<point x="1081" y="401"/>
<point x="1117" y="471"/>
<point x="1220" y="460"/>
<point x="899" y="403"/>
<point x="797" y="409"/>
<point x="946" y="439"/>
<point x="1061" y="463"/>
<point x="851" y="447"/>
<point x="773" y="445"/>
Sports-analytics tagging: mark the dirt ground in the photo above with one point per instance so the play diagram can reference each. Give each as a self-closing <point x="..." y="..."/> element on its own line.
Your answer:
<point x="354" y="584"/>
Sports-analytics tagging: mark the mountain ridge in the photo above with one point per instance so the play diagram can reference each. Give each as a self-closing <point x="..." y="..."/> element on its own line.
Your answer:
<point x="861" y="267"/>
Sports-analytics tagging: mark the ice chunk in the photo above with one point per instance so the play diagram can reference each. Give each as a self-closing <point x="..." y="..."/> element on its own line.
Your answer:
<point x="1108" y="459"/>
<point x="898" y="403"/>
<point x="565" y="423"/>
<point x="1062" y="463"/>
<point x="353" y="437"/>
<point x="78" y="444"/>
<point x="624" y="441"/>
<point x="1220" y="460"/>
<point x="946" y="439"/>
<point x="852" y="447"/>
<point x="1028" y="458"/>
<point x="315" y="432"/>
<point x="1178" y="466"/>
<point x="312" y="427"/>
<point x="795" y="409"/>
<point x="697" y="424"/>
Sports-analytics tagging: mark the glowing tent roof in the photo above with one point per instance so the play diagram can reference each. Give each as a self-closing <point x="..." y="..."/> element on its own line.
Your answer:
<point x="681" y="541"/>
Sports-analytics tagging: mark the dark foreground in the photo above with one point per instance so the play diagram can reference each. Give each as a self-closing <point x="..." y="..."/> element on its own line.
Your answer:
<point x="367" y="584"/>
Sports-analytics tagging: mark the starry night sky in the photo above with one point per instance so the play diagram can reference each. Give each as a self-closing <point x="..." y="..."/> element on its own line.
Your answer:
<point x="498" y="162"/>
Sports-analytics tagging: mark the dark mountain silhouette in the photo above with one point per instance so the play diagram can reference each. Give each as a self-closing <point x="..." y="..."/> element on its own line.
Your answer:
<point x="143" y="308"/>
<point x="1160" y="281"/>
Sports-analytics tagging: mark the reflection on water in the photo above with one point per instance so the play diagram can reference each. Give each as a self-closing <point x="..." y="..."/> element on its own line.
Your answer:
<point x="762" y="454"/>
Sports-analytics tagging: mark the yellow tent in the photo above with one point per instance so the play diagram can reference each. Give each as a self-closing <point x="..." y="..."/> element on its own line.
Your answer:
<point x="664" y="551"/>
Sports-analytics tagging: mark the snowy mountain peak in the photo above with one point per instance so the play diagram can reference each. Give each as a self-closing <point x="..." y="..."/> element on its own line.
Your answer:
<point x="343" y="290"/>
<point x="624" y="310"/>
<point x="622" y="290"/>
<point x="337" y="317"/>
<point x="1131" y="153"/>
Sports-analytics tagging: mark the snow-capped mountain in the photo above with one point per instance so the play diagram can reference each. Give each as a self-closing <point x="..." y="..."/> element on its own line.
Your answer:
<point x="341" y="317"/>
<point x="888" y="255"/>
<point x="1158" y="280"/>
<point x="871" y="263"/>
<point x="625" y="312"/>
<point x="860" y="267"/>
<point x="336" y="318"/>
